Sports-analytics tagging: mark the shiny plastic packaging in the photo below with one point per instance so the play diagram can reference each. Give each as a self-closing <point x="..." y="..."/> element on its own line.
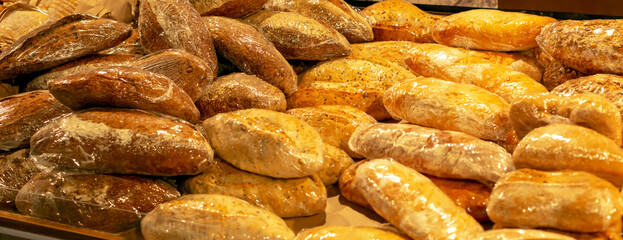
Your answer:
<point x="357" y="83"/>
<point x="447" y="105"/>
<point x="335" y="123"/>
<point x="266" y="142"/>
<point x="17" y="20"/>
<point x="488" y="29"/>
<point x="520" y="234"/>
<point x="16" y="169"/>
<point x="227" y="8"/>
<point x="607" y="85"/>
<point x="67" y="39"/>
<point x="336" y="161"/>
<point x="124" y="87"/>
<point x="562" y="146"/>
<point x="247" y="48"/>
<point x="346" y="232"/>
<point x="515" y="61"/>
<point x="590" y="46"/>
<point x="298" y="37"/>
<point x="109" y="203"/>
<point x="568" y="200"/>
<point x="189" y="217"/>
<point x="588" y="110"/>
<point x="347" y="186"/>
<point x="130" y="46"/>
<point x="399" y="20"/>
<point x="336" y="14"/>
<point x="452" y="64"/>
<point x="187" y="71"/>
<point x="166" y="24"/>
<point x="239" y="91"/>
<point x="556" y="74"/>
<point x="470" y="195"/>
<point x="122" y="141"/>
<point x="412" y="203"/>
<point x="386" y="53"/>
<point x="295" y="197"/>
<point x="435" y="152"/>
<point x="80" y="65"/>
<point x="24" y="114"/>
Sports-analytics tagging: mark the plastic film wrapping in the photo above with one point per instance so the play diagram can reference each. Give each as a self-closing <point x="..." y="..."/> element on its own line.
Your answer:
<point x="336" y="161"/>
<point x="18" y="19"/>
<point x="130" y="46"/>
<point x="561" y="146"/>
<point x="24" y="114"/>
<point x="298" y="37"/>
<point x="67" y="39"/>
<point x="56" y="8"/>
<point x="488" y="29"/>
<point x="607" y="85"/>
<point x="285" y="197"/>
<point x="469" y="195"/>
<point x="266" y="142"/>
<point x="399" y="20"/>
<point x="122" y="141"/>
<point x="238" y="91"/>
<point x="395" y="192"/>
<point x="247" y="48"/>
<point x="520" y="234"/>
<point x="225" y="218"/>
<point x="346" y="232"/>
<point x="348" y="188"/>
<point x="515" y="61"/>
<point x="16" y="169"/>
<point x="386" y="53"/>
<point x="568" y="200"/>
<point x="227" y="8"/>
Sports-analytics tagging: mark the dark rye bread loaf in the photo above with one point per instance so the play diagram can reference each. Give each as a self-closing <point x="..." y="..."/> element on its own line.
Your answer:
<point x="125" y="87"/>
<point x="69" y="38"/>
<point x="122" y="141"/>
<point x="24" y="114"/>
<point x="16" y="169"/>
<point x="245" y="46"/>
<point x="165" y="24"/>
<point x="102" y="202"/>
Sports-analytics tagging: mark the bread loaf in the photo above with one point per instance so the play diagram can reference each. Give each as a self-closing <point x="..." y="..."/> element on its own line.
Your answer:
<point x="299" y="37"/>
<point x="130" y="46"/>
<point x="561" y="146"/>
<point x="8" y="89"/>
<point x="266" y="142"/>
<point x="295" y="197"/>
<point x="122" y="141"/>
<point x="518" y="234"/>
<point x="567" y="200"/>
<point x="24" y="114"/>
<point x="469" y="195"/>
<point x="189" y="217"/>
<point x="398" y="20"/>
<point x="556" y="74"/>
<point x="384" y="52"/>
<point x="336" y="161"/>
<point x="242" y="44"/>
<point x="488" y="29"/>
<point x="110" y="203"/>
<point x="348" y="188"/>
<point x="17" y="20"/>
<point x="67" y="39"/>
<point x="16" y="169"/>
<point x="607" y="85"/>
<point x="346" y="232"/>
<point x="515" y="61"/>
<point x="227" y="8"/>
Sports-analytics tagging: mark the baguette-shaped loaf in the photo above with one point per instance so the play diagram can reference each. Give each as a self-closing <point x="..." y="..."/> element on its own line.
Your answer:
<point x="124" y="87"/>
<point x="336" y="14"/>
<point x="412" y="203"/>
<point x="590" y="46"/>
<point x="488" y="29"/>
<point x="16" y="169"/>
<point x="93" y="200"/>
<point x="520" y="234"/>
<point x="346" y="232"/>
<point x="588" y="110"/>
<point x="238" y="91"/>
<point x="384" y="52"/>
<point x="447" y="63"/>
<point x="266" y="142"/>
<point x="435" y="152"/>
<point x="336" y="161"/>
<point x="568" y="200"/>
<point x="470" y="195"/>
<point x="398" y="20"/>
<point x="122" y="141"/>
<point x="335" y="123"/>
<point x="294" y="197"/>
<point x="67" y="39"/>
<point x="247" y="48"/>
<point x="298" y="37"/>
<point x="448" y="105"/>
<point x="190" y="217"/>
<point x="227" y="8"/>
<point x="562" y="146"/>
<point x="24" y="114"/>
<point x="607" y="85"/>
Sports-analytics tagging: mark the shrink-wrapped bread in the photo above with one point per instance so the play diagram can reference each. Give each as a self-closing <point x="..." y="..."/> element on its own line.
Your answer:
<point x="266" y="142"/>
<point x="346" y="232"/>
<point x="336" y="162"/>
<point x="520" y="234"/>
<point x="488" y="29"/>
<point x="125" y="141"/>
<point x="189" y="217"/>
<point x="470" y="195"/>
<point x="568" y="200"/>
<point x="348" y="187"/>
<point x="130" y="46"/>
<point x="110" y="203"/>
<point x="227" y="8"/>
<point x="386" y="53"/>
<point x="17" y="20"/>
<point x="16" y="169"/>
<point x="295" y="197"/>
<point x="398" y="20"/>
<point x="556" y="74"/>
<point x="515" y="61"/>
<point x="607" y="85"/>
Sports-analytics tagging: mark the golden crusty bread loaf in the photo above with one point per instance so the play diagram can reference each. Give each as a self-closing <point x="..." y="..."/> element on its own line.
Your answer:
<point x="470" y="195"/>
<point x="346" y="232"/>
<point x="412" y="203"/>
<point x="588" y="110"/>
<point x="448" y="105"/>
<point x="607" y="85"/>
<point x="520" y="234"/>
<point x="452" y="64"/>
<point x="336" y="161"/>
<point x="16" y="169"/>
<point x="386" y="53"/>
<point x="488" y="29"/>
<point x="562" y="146"/>
<point x="567" y="200"/>
<point x="518" y="62"/>
<point x="227" y="8"/>
<point x="398" y="20"/>
<point x="347" y="186"/>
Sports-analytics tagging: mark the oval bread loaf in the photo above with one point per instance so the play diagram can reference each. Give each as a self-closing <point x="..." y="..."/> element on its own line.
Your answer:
<point x="399" y="20"/>
<point x="16" y="169"/>
<point x="336" y="161"/>
<point x="607" y="85"/>
<point x="385" y="52"/>
<point x="348" y="188"/>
